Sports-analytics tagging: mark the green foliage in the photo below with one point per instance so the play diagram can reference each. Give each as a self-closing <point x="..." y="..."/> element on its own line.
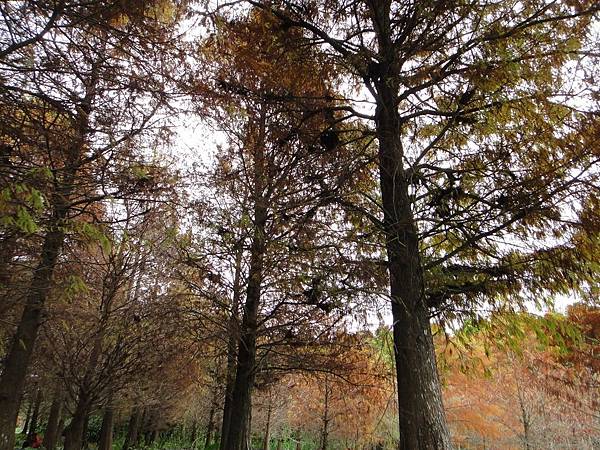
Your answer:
<point x="74" y="286"/>
<point x="92" y="233"/>
<point x="383" y="343"/>
<point x="20" y="207"/>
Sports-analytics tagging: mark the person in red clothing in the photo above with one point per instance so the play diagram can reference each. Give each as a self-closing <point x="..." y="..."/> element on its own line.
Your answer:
<point x="34" y="441"/>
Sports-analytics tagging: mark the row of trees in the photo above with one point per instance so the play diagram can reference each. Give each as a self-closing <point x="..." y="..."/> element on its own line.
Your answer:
<point x="496" y="395"/>
<point x="436" y="157"/>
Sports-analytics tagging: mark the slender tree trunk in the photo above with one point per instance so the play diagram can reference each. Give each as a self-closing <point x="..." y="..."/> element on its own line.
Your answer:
<point x="325" y="419"/>
<point x="194" y="433"/>
<point x="241" y="400"/>
<point x="106" y="431"/>
<point x="52" y="427"/>
<point x="232" y="345"/>
<point x="210" y="426"/>
<point x="25" y="429"/>
<point x="525" y="416"/>
<point x="33" y="424"/>
<point x="422" y="420"/>
<point x="132" y="430"/>
<point x="267" y="441"/>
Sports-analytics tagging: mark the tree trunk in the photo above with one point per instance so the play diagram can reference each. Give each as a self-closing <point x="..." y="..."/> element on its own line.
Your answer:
<point x="132" y="430"/>
<point x="52" y="427"/>
<point x="421" y="415"/>
<point x="210" y="425"/>
<point x="25" y="429"/>
<point x="194" y="433"/>
<point x="33" y="424"/>
<point x="244" y="380"/>
<point x="422" y="420"/>
<point x="74" y="433"/>
<point x="241" y="399"/>
<point x="232" y="345"/>
<point x="267" y="441"/>
<point x="106" y="431"/>
<point x="19" y="355"/>
<point x="325" y="419"/>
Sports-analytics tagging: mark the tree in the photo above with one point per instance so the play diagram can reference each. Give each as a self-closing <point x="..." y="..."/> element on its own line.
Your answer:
<point x="464" y="95"/>
<point x="277" y="131"/>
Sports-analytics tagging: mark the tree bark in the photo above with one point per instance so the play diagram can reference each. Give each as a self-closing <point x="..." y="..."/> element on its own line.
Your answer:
<point x="52" y="427"/>
<point x="421" y="416"/>
<point x="25" y="429"/>
<point x="241" y="400"/>
<point x="33" y="424"/>
<point x="133" y="428"/>
<point x="232" y="345"/>
<point x="210" y="425"/>
<point x="74" y="433"/>
<point x="325" y="419"/>
<point x="267" y="441"/>
<point x="106" y="431"/>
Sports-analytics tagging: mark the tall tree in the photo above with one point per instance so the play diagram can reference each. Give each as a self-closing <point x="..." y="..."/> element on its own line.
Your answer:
<point x="284" y="158"/>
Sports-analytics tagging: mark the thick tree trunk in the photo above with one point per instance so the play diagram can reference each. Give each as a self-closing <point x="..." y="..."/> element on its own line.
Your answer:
<point x="17" y="360"/>
<point x="106" y="431"/>
<point x="19" y="355"/>
<point x="421" y="415"/>
<point x="232" y="345"/>
<point x="241" y="401"/>
<point x="52" y="427"/>
<point x="132" y="430"/>
<point x="33" y="424"/>
<point x="244" y="381"/>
